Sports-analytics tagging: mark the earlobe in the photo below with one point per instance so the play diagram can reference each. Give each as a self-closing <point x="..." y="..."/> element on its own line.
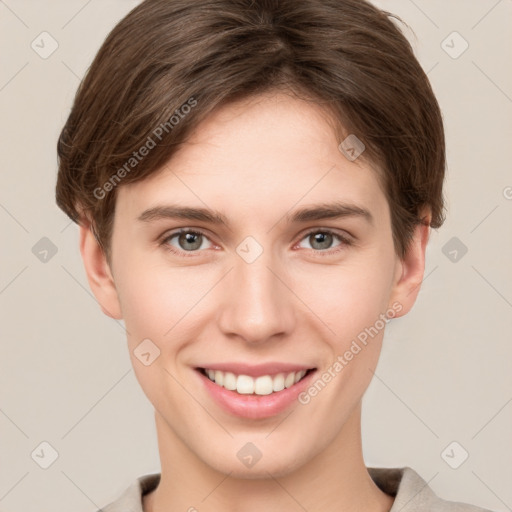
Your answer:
<point x="410" y="270"/>
<point x="98" y="272"/>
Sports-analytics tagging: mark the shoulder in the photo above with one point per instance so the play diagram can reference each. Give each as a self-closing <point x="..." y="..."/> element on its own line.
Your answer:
<point x="413" y="494"/>
<point x="131" y="498"/>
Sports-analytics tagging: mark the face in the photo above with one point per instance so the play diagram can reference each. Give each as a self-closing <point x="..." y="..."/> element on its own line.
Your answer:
<point x="298" y="277"/>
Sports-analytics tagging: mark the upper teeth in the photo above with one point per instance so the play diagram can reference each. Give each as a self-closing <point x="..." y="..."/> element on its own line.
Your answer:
<point x="247" y="385"/>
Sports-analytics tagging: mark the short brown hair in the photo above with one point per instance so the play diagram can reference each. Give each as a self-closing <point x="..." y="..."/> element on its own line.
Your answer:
<point x="346" y="55"/>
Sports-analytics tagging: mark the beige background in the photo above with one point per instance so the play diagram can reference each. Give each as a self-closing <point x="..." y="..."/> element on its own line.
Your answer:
<point x="65" y="376"/>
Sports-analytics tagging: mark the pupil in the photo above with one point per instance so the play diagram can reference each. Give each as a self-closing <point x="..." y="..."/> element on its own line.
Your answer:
<point x="188" y="238"/>
<point x="323" y="239"/>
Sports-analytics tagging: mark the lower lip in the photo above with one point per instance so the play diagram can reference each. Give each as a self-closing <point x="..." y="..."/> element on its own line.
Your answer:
<point x="255" y="406"/>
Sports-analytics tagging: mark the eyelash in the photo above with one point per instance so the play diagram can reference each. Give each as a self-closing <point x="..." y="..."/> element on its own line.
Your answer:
<point x="345" y="242"/>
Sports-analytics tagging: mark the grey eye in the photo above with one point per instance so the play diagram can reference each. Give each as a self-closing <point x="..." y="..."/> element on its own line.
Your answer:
<point x="321" y="240"/>
<point x="190" y="241"/>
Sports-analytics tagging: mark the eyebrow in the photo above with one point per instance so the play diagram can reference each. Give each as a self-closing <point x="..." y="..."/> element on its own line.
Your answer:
<point x="334" y="210"/>
<point x="322" y="211"/>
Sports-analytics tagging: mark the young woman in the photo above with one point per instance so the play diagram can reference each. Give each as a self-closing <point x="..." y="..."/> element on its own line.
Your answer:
<point x="255" y="181"/>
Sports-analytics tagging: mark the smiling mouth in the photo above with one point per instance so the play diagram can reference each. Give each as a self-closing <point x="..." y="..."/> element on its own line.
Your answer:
<point x="261" y="385"/>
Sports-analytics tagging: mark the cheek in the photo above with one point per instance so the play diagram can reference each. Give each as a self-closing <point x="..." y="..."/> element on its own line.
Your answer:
<point x="350" y="302"/>
<point x="159" y="301"/>
<point x="346" y="297"/>
<point x="159" y="305"/>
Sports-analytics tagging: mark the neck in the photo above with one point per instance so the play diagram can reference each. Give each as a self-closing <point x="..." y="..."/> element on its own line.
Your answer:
<point x="335" y="479"/>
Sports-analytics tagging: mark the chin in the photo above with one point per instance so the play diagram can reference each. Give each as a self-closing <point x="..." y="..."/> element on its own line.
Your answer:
<point x="278" y="465"/>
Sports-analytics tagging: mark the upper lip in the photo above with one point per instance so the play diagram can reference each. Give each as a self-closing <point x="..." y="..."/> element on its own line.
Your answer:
<point x="255" y="370"/>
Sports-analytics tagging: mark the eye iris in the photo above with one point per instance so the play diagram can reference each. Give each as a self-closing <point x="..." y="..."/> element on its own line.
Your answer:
<point x="324" y="239"/>
<point x="188" y="238"/>
<point x="190" y="241"/>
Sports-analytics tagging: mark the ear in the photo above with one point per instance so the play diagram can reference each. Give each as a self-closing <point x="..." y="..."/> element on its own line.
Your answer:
<point x="98" y="273"/>
<point x="409" y="270"/>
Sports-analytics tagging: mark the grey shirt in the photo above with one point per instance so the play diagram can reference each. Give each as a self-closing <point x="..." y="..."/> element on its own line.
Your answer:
<point x="411" y="493"/>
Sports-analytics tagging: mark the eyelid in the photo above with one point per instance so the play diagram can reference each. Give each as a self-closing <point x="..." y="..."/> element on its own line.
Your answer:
<point x="333" y="231"/>
<point x="345" y="238"/>
<point x="170" y="234"/>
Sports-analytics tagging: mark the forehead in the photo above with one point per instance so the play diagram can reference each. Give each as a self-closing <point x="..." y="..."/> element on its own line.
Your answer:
<point x="264" y="154"/>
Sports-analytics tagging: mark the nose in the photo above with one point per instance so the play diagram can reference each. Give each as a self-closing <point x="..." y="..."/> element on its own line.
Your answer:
<point x="256" y="304"/>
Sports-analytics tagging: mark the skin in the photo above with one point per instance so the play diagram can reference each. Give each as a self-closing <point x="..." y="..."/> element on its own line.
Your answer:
<point x="270" y="154"/>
